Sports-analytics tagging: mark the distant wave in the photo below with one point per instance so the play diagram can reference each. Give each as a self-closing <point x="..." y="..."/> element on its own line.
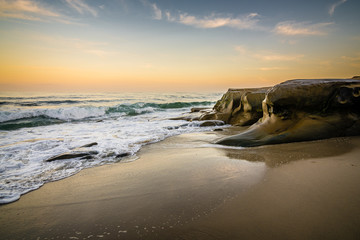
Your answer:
<point x="135" y="105"/>
<point x="29" y="122"/>
<point x="41" y="103"/>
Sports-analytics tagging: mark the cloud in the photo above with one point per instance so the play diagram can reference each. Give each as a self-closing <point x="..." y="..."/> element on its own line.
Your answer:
<point x="271" y="68"/>
<point x="25" y="9"/>
<point x="58" y="43"/>
<point x="278" y="57"/>
<point x="334" y="6"/>
<point x="81" y="7"/>
<point x="169" y="17"/>
<point x="241" y="49"/>
<point x="31" y="11"/>
<point x="248" y="21"/>
<point x="157" y="12"/>
<point x="291" y="28"/>
<point x="353" y="60"/>
<point x="267" y="55"/>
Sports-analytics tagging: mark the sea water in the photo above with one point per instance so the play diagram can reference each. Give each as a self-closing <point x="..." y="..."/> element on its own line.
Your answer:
<point x="36" y="127"/>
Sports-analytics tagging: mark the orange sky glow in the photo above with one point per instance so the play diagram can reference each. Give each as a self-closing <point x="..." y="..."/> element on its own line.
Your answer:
<point x="163" y="48"/>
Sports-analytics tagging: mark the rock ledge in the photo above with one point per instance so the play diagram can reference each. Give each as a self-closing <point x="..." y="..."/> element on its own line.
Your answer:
<point x="303" y="109"/>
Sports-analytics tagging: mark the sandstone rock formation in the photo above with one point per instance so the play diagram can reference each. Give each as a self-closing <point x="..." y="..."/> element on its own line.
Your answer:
<point x="238" y="107"/>
<point x="299" y="110"/>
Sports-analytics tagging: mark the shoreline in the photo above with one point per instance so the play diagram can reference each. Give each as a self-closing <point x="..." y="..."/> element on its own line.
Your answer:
<point x="182" y="188"/>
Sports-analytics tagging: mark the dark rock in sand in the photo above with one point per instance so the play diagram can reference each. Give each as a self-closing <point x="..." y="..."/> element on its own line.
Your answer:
<point x="121" y="155"/>
<point x="211" y="123"/>
<point x="199" y="109"/>
<point x="218" y="130"/>
<point x="70" y="155"/>
<point x="300" y="110"/>
<point x="89" y="145"/>
<point x="87" y="157"/>
<point x="238" y="107"/>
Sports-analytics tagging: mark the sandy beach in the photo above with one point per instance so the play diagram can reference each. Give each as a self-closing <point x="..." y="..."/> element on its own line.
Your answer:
<point x="186" y="188"/>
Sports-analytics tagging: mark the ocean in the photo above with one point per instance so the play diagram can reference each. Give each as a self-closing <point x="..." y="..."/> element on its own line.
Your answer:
<point x="36" y="127"/>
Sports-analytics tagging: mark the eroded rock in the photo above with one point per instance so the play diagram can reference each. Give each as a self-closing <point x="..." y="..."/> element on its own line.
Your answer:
<point x="239" y="107"/>
<point x="300" y="110"/>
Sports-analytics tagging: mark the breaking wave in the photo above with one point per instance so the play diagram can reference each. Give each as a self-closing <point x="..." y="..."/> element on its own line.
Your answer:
<point x="34" y="117"/>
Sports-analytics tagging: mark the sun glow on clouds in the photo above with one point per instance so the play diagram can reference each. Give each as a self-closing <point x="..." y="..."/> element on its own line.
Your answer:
<point x="25" y="9"/>
<point x="268" y="55"/>
<point x="278" y="57"/>
<point x="271" y="68"/>
<point x="291" y="28"/>
<point x="32" y="11"/>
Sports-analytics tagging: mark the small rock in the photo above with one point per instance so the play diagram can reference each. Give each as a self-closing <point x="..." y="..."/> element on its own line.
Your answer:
<point x="89" y="145"/>
<point x="82" y="155"/>
<point x="218" y="130"/>
<point x="121" y="155"/>
<point x="87" y="157"/>
<point x="67" y="156"/>
<point x="198" y="109"/>
<point x="212" y="123"/>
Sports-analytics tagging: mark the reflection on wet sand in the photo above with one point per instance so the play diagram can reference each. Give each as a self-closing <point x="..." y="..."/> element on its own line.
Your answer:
<point x="277" y="155"/>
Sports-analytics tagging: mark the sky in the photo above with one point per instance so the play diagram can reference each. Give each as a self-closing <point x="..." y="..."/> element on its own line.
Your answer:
<point x="173" y="45"/>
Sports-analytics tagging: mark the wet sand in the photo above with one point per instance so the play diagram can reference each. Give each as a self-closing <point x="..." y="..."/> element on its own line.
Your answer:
<point x="185" y="188"/>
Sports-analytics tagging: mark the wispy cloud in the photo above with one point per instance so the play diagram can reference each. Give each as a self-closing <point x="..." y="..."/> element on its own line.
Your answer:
<point x="334" y="6"/>
<point x="81" y="7"/>
<point x="248" y="21"/>
<point x="32" y="11"/>
<point x="169" y="17"/>
<point x="291" y="28"/>
<point x="267" y="55"/>
<point x="214" y="21"/>
<point x="278" y="57"/>
<point x="26" y="10"/>
<point x="271" y="68"/>
<point x="157" y="12"/>
<point x="241" y="49"/>
<point x="352" y="60"/>
<point x="59" y="43"/>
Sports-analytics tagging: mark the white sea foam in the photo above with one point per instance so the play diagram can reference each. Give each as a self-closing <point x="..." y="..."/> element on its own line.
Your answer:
<point x="117" y="130"/>
<point x="66" y="114"/>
